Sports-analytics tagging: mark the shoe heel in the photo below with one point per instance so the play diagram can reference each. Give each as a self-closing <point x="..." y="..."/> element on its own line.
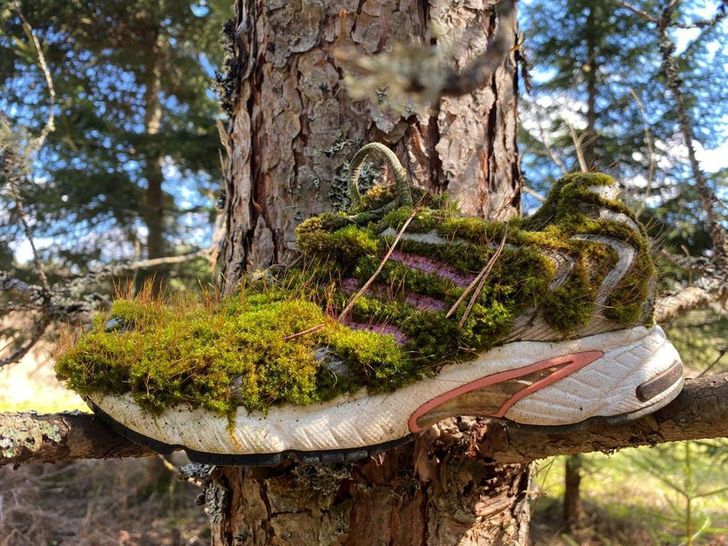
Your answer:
<point x="627" y="382"/>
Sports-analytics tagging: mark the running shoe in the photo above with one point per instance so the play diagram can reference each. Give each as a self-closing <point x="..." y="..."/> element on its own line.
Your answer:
<point x="398" y="313"/>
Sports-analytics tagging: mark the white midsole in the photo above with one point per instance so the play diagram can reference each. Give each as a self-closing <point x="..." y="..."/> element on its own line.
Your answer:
<point x="606" y="387"/>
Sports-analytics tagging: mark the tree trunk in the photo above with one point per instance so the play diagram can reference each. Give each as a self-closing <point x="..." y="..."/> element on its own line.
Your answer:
<point x="292" y="129"/>
<point x="572" y="492"/>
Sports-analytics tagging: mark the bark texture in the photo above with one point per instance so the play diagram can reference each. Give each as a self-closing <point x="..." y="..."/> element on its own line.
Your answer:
<point x="430" y="492"/>
<point x="442" y="454"/>
<point x="292" y="130"/>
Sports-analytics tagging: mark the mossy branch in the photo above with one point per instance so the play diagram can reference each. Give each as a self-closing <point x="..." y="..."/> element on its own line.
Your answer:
<point x="701" y="411"/>
<point x="33" y="438"/>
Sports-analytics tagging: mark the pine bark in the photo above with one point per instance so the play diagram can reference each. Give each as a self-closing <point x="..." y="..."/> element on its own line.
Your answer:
<point x="291" y="131"/>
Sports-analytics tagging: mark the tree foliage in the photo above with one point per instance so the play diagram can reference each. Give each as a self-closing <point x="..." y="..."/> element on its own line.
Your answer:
<point x="133" y="86"/>
<point x="600" y="70"/>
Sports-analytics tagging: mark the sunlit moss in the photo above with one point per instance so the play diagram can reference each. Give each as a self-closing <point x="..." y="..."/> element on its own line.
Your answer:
<point x="212" y="357"/>
<point x="260" y="347"/>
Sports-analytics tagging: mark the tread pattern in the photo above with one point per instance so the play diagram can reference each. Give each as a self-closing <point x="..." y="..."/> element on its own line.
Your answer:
<point x="257" y="459"/>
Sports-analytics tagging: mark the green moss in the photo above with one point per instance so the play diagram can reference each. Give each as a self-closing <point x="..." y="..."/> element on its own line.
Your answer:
<point x="554" y="206"/>
<point x="345" y="244"/>
<point x="205" y="356"/>
<point x="569" y="306"/>
<point x="247" y="350"/>
<point x="626" y="303"/>
<point x="375" y="198"/>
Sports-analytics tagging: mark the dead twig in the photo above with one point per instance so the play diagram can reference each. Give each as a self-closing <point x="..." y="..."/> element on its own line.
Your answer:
<point x="577" y="146"/>
<point x="706" y="25"/>
<point x="547" y="143"/>
<point x="534" y="193"/>
<point x="483" y="278"/>
<point x="49" y="125"/>
<point x="307" y="331"/>
<point x="650" y="150"/>
<point x="478" y="282"/>
<point x="637" y="11"/>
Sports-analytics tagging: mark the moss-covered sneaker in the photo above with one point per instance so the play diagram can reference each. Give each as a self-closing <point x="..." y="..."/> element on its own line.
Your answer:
<point x="400" y="312"/>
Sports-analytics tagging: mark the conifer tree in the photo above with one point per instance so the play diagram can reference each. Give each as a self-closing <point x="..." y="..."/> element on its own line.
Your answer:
<point x="135" y="142"/>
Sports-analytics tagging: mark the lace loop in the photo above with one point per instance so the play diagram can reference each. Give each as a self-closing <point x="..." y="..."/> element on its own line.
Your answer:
<point x="401" y="182"/>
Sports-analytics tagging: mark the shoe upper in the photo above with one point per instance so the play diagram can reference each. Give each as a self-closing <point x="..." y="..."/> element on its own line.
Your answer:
<point x="580" y="266"/>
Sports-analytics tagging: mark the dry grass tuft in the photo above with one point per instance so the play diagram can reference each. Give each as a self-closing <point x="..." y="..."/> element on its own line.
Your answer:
<point x="124" y="502"/>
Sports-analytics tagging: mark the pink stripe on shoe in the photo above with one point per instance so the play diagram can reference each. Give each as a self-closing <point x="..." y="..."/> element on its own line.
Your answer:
<point x="428" y="265"/>
<point x="425" y="303"/>
<point x="568" y="364"/>
<point x="386" y="329"/>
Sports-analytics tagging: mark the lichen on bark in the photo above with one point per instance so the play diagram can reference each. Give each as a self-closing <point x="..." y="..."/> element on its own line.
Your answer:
<point x="27" y="436"/>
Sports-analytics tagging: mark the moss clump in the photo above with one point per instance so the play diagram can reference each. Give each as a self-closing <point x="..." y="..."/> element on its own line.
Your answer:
<point x="275" y="344"/>
<point x="523" y="273"/>
<point x="239" y="351"/>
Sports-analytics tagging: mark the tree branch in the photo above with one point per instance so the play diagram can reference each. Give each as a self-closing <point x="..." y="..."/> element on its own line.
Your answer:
<point x="60" y="303"/>
<point x="32" y="438"/>
<point x="690" y="298"/>
<point x="700" y="411"/>
<point x="39" y="328"/>
<point x="154" y="262"/>
<point x="670" y="68"/>
<point x="637" y="11"/>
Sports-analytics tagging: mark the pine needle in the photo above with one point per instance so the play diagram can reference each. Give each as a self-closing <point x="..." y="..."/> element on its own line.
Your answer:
<point x="478" y="282"/>
<point x="367" y="284"/>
